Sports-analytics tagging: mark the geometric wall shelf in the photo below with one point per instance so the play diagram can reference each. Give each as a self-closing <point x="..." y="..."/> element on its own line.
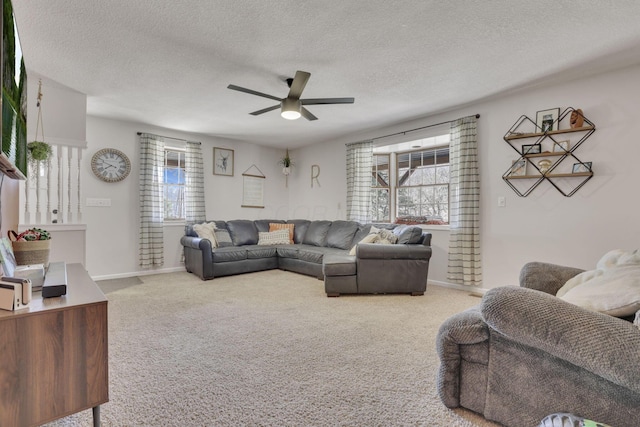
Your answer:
<point x="548" y="156"/>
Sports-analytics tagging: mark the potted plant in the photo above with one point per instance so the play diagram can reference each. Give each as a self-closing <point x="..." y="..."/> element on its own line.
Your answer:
<point x="39" y="151"/>
<point x="31" y="246"/>
<point x="286" y="163"/>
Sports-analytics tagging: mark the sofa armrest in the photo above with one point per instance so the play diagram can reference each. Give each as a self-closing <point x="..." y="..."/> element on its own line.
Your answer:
<point x="455" y="336"/>
<point x="604" y="345"/>
<point x="546" y="277"/>
<point x="198" y="256"/>
<point x="377" y="251"/>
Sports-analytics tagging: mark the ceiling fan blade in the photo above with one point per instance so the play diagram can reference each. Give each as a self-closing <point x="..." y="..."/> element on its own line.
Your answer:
<point x="298" y="84"/>
<point x="265" y="110"/>
<point x="253" y="92"/>
<point x="307" y="114"/>
<point x="319" y="101"/>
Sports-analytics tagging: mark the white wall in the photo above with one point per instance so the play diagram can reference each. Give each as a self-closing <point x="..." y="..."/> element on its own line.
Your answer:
<point x="545" y="226"/>
<point x="112" y="232"/>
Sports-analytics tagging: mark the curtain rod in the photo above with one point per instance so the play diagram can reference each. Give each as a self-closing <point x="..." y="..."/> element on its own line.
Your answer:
<point x="170" y="137"/>
<point x="420" y="128"/>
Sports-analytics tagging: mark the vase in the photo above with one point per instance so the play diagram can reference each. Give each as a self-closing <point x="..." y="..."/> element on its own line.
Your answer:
<point x="286" y="170"/>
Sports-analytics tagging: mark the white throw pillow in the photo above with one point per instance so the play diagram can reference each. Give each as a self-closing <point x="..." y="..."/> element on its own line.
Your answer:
<point x="614" y="288"/>
<point x="207" y="230"/>
<point x="278" y="237"/>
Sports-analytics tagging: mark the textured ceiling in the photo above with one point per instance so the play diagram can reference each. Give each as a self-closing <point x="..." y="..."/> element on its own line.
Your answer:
<point x="168" y="63"/>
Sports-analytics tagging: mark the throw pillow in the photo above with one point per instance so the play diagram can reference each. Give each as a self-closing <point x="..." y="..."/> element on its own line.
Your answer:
<point x="206" y="230"/>
<point x="278" y="237"/>
<point x="275" y="226"/>
<point x="614" y="288"/>
<point x="224" y="238"/>
<point x="381" y="237"/>
<point x="410" y="236"/>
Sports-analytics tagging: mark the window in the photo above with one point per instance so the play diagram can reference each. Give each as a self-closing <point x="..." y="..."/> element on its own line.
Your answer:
<point x="173" y="183"/>
<point x="423" y="186"/>
<point x="417" y="189"/>
<point x="380" y="189"/>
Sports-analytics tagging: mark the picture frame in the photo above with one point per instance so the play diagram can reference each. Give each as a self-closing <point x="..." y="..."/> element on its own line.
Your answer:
<point x="531" y="149"/>
<point x="581" y="167"/>
<point x="547" y="120"/>
<point x="223" y="159"/>
<point x="518" y="167"/>
<point x="561" y="146"/>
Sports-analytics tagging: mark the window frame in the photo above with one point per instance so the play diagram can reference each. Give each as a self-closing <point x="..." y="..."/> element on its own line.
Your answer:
<point x="435" y="149"/>
<point x="181" y="159"/>
<point x="388" y="187"/>
<point x="432" y="140"/>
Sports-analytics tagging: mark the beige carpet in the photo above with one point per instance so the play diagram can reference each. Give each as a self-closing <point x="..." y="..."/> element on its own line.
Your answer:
<point x="270" y="349"/>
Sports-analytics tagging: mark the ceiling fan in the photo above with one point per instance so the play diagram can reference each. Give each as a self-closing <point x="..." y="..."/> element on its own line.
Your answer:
<point x="292" y="106"/>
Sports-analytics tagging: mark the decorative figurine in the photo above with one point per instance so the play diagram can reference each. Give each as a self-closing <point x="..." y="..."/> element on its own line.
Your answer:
<point x="577" y="119"/>
<point x="544" y="165"/>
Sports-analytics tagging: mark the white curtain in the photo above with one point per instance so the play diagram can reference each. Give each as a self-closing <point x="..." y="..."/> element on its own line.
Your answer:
<point x="464" y="200"/>
<point x="359" y="162"/>
<point x="194" y="184"/>
<point x="151" y="252"/>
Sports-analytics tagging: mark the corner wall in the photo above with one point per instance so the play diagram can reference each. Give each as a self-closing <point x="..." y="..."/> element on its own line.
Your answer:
<point x="112" y="232"/>
<point x="545" y="226"/>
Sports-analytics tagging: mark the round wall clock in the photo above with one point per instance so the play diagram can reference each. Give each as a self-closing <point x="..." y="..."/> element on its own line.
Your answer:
<point x="110" y="165"/>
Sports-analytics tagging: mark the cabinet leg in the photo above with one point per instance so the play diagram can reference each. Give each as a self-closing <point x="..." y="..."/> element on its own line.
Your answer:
<point x="96" y="416"/>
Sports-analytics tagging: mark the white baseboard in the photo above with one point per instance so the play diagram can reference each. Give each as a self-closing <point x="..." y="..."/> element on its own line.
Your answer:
<point x="138" y="273"/>
<point x="473" y="290"/>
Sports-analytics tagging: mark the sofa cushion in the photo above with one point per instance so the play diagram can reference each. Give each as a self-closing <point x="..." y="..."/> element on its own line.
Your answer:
<point x="230" y="253"/>
<point x="258" y="252"/>
<point x="263" y="224"/>
<point x="407" y="234"/>
<point x="363" y="231"/>
<point x="300" y="229"/>
<point x="316" y="234"/>
<point x="339" y="265"/>
<point x="274" y="226"/>
<point x="206" y="230"/>
<point x="223" y="238"/>
<point x="340" y="234"/>
<point x="243" y="232"/>
<point x="311" y="255"/>
<point x="278" y="237"/>
<point x="287" y="251"/>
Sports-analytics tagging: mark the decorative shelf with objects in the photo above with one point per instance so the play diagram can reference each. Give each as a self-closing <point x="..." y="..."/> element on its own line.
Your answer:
<point x="546" y="152"/>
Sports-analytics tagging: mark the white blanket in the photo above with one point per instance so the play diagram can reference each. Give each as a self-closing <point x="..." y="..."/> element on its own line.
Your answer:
<point x="612" y="288"/>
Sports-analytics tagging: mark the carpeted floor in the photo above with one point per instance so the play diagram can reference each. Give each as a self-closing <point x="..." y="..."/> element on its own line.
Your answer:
<point x="270" y="349"/>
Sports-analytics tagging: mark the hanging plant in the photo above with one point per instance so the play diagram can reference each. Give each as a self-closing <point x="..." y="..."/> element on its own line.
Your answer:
<point x="39" y="151"/>
<point x="286" y="161"/>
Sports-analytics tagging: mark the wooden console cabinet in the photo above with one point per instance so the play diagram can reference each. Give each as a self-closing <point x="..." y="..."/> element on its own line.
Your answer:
<point x="54" y="355"/>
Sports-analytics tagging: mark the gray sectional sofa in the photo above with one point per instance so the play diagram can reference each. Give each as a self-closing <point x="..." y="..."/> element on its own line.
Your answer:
<point x="321" y="249"/>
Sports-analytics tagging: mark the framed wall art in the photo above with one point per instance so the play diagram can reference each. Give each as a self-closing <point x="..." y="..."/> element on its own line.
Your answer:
<point x="518" y="168"/>
<point x="561" y="146"/>
<point x="581" y="167"/>
<point x="547" y="120"/>
<point x="222" y="161"/>
<point x="531" y="148"/>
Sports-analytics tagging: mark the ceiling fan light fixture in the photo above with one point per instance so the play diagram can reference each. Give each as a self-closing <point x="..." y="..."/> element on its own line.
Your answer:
<point x="291" y="109"/>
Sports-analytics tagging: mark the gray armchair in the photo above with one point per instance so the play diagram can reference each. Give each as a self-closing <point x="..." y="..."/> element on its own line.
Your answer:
<point x="522" y="354"/>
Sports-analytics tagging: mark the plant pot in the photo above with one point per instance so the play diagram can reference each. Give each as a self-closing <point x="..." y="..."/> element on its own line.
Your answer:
<point x="286" y="171"/>
<point x="31" y="252"/>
